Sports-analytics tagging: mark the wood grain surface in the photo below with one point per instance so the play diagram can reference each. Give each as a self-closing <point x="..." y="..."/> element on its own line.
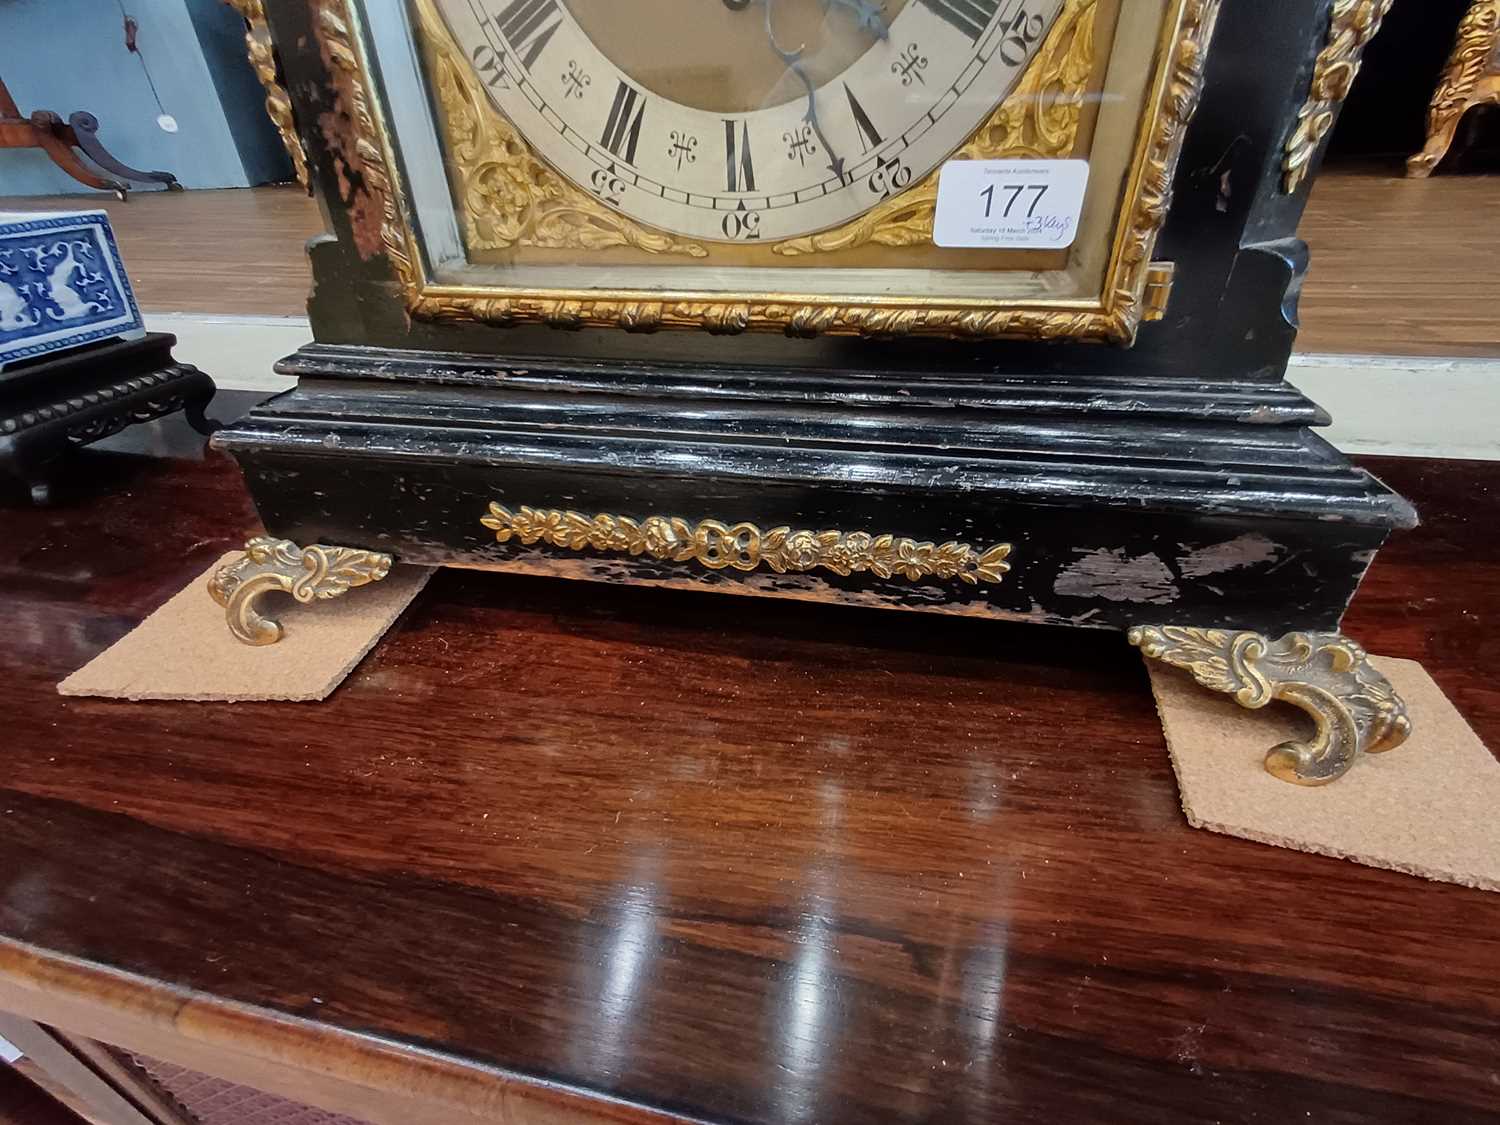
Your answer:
<point x="237" y="251"/>
<point x="1399" y="267"/>
<point x="566" y="852"/>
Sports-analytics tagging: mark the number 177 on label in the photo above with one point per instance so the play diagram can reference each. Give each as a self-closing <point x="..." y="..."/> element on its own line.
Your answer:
<point x="1010" y="204"/>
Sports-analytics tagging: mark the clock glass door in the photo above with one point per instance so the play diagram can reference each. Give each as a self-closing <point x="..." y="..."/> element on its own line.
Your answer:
<point x="743" y="121"/>
<point x="750" y="152"/>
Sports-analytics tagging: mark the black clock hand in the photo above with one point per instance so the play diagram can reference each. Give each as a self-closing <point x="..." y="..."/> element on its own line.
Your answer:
<point x="792" y="60"/>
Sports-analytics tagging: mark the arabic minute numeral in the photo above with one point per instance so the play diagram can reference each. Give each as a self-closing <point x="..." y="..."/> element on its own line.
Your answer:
<point x="491" y="67"/>
<point x="1022" y="32"/>
<point x="607" y="185"/>
<point x="741" y="224"/>
<point x="890" y="176"/>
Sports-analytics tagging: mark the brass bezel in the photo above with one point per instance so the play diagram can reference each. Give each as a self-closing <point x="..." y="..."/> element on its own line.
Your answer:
<point x="1113" y="316"/>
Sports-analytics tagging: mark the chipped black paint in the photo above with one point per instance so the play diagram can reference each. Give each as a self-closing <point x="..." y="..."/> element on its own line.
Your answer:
<point x="1144" y="504"/>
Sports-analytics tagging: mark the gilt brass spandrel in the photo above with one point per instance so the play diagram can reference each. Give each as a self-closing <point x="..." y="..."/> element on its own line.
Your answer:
<point x="507" y="195"/>
<point x="1327" y="675"/>
<point x="745" y="547"/>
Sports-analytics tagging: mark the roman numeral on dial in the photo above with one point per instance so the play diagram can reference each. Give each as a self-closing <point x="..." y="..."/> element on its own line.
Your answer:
<point x="738" y="170"/>
<point x="622" y="131"/>
<point x="869" y="136"/>
<point x="490" y="68"/>
<point x="969" y="16"/>
<point x="529" y="24"/>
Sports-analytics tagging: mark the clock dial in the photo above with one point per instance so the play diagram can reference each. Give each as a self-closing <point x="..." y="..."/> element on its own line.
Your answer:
<point x="747" y="120"/>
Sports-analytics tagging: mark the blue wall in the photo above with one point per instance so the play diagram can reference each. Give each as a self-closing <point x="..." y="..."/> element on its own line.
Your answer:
<point x="67" y="55"/>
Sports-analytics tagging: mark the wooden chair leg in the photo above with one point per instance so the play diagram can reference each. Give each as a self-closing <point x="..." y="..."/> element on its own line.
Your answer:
<point x="85" y="134"/>
<point x="63" y="156"/>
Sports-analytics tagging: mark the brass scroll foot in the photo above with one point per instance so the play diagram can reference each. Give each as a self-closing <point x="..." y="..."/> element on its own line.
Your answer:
<point x="279" y="564"/>
<point x="1325" y="674"/>
<point x="1471" y="79"/>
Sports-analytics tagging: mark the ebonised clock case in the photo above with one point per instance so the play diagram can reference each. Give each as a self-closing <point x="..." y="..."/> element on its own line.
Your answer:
<point x="1175" y="481"/>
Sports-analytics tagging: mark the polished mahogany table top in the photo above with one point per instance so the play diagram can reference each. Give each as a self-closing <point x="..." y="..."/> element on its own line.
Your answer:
<point x="645" y="853"/>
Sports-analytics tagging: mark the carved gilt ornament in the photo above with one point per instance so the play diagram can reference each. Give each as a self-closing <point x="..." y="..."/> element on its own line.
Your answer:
<point x="1470" y="79"/>
<point x="743" y="546"/>
<point x="1324" y="674"/>
<point x="307" y="573"/>
<point x="278" y="102"/>
<point x="1353" y="24"/>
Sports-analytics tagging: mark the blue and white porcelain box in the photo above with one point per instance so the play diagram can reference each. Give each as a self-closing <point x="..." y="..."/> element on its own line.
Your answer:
<point x="62" y="284"/>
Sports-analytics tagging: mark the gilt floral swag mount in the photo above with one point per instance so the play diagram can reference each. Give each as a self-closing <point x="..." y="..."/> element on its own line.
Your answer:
<point x="744" y="546"/>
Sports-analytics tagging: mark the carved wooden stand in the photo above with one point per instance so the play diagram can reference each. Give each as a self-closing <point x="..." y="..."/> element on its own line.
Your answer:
<point x="58" y="404"/>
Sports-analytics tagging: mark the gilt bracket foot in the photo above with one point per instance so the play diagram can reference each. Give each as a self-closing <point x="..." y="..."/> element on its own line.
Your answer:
<point x="1325" y="674"/>
<point x="307" y="573"/>
<point x="1471" y="79"/>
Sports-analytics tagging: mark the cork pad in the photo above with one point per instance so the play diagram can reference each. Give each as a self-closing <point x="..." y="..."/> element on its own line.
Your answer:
<point x="1426" y="808"/>
<point x="185" y="651"/>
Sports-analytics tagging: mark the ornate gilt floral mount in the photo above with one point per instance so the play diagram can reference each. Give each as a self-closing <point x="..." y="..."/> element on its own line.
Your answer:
<point x="1325" y="674"/>
<point x="507" y="195"/>
<point x="1353" y="25"/>
<point x="743" y="546"/>
<point x="1471" y="78"/>
<point x="278" y="101"/>
<point x="307" y="573"/>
